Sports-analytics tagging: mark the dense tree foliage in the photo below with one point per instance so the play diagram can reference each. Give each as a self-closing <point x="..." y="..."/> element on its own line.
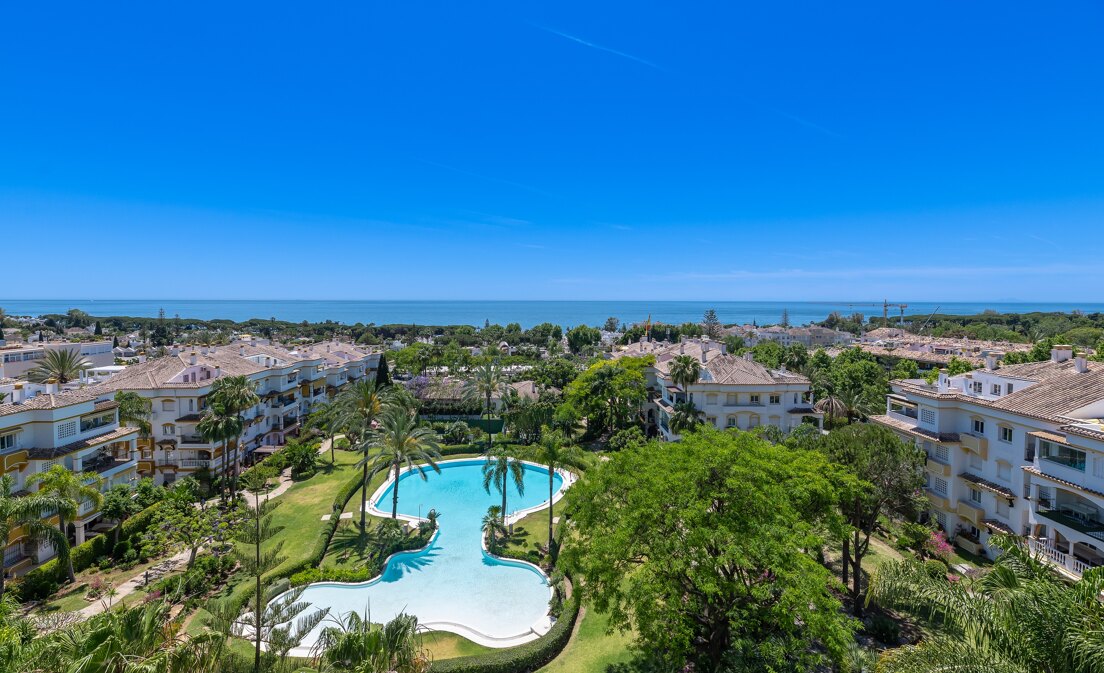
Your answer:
<point x="609" y="394"/>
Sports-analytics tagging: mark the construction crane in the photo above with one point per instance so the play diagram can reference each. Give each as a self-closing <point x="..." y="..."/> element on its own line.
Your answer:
<point x="885" y="310"/>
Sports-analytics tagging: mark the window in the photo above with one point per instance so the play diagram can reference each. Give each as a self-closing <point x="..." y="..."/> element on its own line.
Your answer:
<point x="976" y="387"/>
<point x="730" y="399"/>
<point x="711" y="420"/>
<point x="776" y="399"/>
<point x="7" y="442"/>
<point x="731" y="421"/>
<point x="168" y="405"/>
<point x="1006" y="434"/>
<point x="168" y="429"/>
<point x="755" y="399"/>
<point x="927" y="416"/>
<point x="995" y="389"/>
<point x="12" y="554"/>
<point x="979" y="426"/>
<point x="1063" y="455"/>
<point x="711" y="398"/>
<point x="1008" y="389"/>
<point x="975" y="496"/>
<point x="939" y="486"/>
<point x="191" y="405"/>
<point x="753" y="422"/>
<point x="942" y="454"/>
<point x="1004" y="471"/>
<point x="67" y="429"/>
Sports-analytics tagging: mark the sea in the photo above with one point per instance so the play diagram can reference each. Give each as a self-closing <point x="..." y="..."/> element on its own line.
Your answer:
<point x="526" y="313"/>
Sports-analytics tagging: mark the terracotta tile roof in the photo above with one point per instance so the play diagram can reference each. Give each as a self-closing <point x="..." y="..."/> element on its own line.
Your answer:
<point x="1036" y="471"/>
<point x="51" y="453"/>
<point x="912" y="428"/>
<point x="717" y="367"/>
<point x="53" y="401"/>
<point x="987" y="485"/>
<point x="993" y="524"/>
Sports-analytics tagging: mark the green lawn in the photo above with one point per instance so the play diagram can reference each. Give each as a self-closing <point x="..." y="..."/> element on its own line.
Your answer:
<point x="445" y="645"/>
<point x="591" y="649"/>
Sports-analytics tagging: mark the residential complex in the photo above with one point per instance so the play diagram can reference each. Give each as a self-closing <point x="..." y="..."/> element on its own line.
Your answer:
<point x="290" y="381"/>
<point x="732" y="391"/>
<point x="811" y="337"/>
<point x="1016" y="449"/>
<point x="75" y="429"/>
<point x="18" y="359"/>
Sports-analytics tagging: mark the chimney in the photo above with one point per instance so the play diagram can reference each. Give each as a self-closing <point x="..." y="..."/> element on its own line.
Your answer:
<point x="991" y="359"/>
<point x="17" y="394"/>
<point x="1061" y="353"/>
<point x="218" y="371"/>
<point x="51" y="386"/>
<point x="944" y="382"/>
<point x="682" y="347"/>
<point x="203" y="350"/>
<point x="1080" y="364"/>
<point x="192" y="358"/>
<point x="174" y="350"/>
<point x="241" y="351"/>
<point x="748" y="356"/>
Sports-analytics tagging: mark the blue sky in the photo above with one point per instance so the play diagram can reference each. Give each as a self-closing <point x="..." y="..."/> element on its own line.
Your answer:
<point x="417" y="150"/>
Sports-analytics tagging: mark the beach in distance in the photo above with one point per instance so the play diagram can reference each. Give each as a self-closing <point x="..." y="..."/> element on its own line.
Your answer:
<point x="525" y="313"/>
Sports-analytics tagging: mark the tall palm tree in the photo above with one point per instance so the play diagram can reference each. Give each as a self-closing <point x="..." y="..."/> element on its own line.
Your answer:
<point x="62" y="365"/>
<point x="357" y="645"/>
<point x="483" y="382"/>
<point x="686" y="417"/>
<point x="502" y="466"/>
<point x="135" y="412"/>
<point x="1020" y="617"/>
<point x="555" y="453"/>
<point x="326" y="420"/>
<point x="217" y="427"/>
<point x="400" y="443"/>
<point x="846" y="402"/>
<point x="68" y="490"/>
<point x="27" y="511"/>
<point x="685" y="370"/>
<point x="236" y="395"/>
<point x="492" y="526"/>
<point x="359" y="408"/>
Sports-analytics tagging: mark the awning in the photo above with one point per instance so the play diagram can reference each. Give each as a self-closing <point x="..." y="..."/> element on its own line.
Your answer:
<point x="1048" y="436"/>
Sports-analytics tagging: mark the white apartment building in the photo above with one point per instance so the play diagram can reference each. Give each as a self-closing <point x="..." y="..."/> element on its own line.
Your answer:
<point x="289" y="381"/>
<point x="1016" y="449"/>
<point x="74" y="429"/>
<point x="18" y="359"/>
<point x="732" y="391"/>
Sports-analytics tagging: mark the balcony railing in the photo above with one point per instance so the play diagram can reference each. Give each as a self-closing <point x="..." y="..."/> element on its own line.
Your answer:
<point x="195" y="464"/>
<point x="192" y="439"/>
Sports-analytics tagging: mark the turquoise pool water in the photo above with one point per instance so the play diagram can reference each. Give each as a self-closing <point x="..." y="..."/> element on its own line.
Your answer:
<point x="452" y="585"/>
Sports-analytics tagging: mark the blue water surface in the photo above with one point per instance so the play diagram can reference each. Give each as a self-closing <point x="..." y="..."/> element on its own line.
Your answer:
<point x="453" y="580"/>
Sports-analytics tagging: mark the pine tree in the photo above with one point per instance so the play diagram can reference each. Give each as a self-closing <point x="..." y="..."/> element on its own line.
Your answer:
<point x="785" y="318"/>
<point x="712" y="324"/>
<point x="272" y="610"/>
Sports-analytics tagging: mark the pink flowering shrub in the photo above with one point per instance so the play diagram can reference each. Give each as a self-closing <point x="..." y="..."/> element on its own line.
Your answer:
<point x="937" y="546"/>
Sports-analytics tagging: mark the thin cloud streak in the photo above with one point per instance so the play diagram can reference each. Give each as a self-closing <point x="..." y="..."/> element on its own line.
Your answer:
<point x="592" y="45"/>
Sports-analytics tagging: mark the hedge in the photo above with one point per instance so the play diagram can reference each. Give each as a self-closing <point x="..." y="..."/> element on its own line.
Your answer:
<point x="522" y="659"/>
<point x="43" y="580"/>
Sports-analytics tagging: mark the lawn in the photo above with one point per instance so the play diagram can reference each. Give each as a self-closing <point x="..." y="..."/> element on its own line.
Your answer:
<point x="591" y="649"/>
<point x="71" y="597"/>
<point x="445" y="645"/>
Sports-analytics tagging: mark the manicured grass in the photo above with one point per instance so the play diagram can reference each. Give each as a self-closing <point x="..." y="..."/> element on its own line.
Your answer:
<point x="445" y="645"/>
<point x="71" y="597"/>
<point x="592" y="649"/>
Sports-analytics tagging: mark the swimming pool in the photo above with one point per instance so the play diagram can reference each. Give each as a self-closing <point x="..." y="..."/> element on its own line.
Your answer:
<point x="453" y="584"/>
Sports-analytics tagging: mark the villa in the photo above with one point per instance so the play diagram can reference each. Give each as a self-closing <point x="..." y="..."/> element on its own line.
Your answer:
<point x="1013" y="449"/>
<point x="732" y="391"/>
<point x="290" y="383"/>
<point x="75" y="429"/>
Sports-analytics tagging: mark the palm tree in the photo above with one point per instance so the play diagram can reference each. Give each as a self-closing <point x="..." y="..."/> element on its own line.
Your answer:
<point x="501" y="466"/>
<point x="358" y="411"/>
<point x="685" y="370"/>
<point x="68" y="490"/>
<point x="555" y="453"/>
<point x="846" y="402"/>
<point x="686" y="417"/>
<point x="27" y="512"/>
<point x="1020" y="617"/>
<point x="61" y="365"/>
<point x="399" y="443"/>
<point x="217" y="427"/>
<point x="483" y="382"/>
<point x="326" y="420"/>
<point x="357" y="645"/>
<point x="236" y="395"/>
<point x="492" y="526"/>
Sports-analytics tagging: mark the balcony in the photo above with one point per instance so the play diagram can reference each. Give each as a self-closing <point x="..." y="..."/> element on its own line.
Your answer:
<point x="975" y="443"/>
<point x="1093" y="529"/>
<point x="936" y="467"/>
<point x="193" y="439"/>
<point x="972" y="512"/>
<point x="939" y="500"/>
<point x="195" y="464"/>
<point x="16" y="460"/>
<point x="969" y="544"/>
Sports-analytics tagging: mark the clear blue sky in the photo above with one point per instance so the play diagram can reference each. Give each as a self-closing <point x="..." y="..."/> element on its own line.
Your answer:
<point x="577" y="150"/>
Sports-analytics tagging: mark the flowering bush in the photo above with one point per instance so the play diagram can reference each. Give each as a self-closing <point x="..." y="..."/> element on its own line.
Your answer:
<point x="937" y="546"/>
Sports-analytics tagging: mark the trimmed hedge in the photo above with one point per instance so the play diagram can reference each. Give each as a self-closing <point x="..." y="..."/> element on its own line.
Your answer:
<point x="523" y="658"/>
<point x="43" y="580"/>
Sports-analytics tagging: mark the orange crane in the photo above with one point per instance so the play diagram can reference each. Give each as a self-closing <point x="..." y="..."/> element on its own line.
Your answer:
<point x="885" y="310"/>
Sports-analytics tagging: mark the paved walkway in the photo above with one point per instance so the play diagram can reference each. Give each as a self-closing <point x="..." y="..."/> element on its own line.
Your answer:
<point x="155" y="571"/>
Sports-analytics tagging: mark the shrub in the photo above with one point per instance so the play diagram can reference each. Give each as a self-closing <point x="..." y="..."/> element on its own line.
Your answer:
<point x="913" y="536"/>
<point x="883" y="629"/>
<point x="936" y="568"/>
<point x="937" y="546"/>
<point x="521" y="659"/>
<point x="205" y="574"/>
<point x="327" y="574"/>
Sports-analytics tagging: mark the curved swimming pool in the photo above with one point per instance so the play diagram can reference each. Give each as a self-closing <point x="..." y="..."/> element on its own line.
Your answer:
<point x="453" y="584"/>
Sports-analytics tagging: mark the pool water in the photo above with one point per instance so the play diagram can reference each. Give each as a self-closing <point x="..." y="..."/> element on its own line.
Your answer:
<point x="453" y="584"/>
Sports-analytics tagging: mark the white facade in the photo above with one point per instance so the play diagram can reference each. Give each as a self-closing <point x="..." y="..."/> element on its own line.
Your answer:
<point x="74" y="429"/>
<point x="1017" y="449"/>
<point x="19" y="359"/>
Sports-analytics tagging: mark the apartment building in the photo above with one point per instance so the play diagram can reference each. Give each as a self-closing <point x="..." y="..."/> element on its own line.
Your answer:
<point x="1015" y="449"/>
<point x="18" y="359"/>
<point x="290" y="381"/>
<point x="39" y="428"/>
<point x="732" y="391"/>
